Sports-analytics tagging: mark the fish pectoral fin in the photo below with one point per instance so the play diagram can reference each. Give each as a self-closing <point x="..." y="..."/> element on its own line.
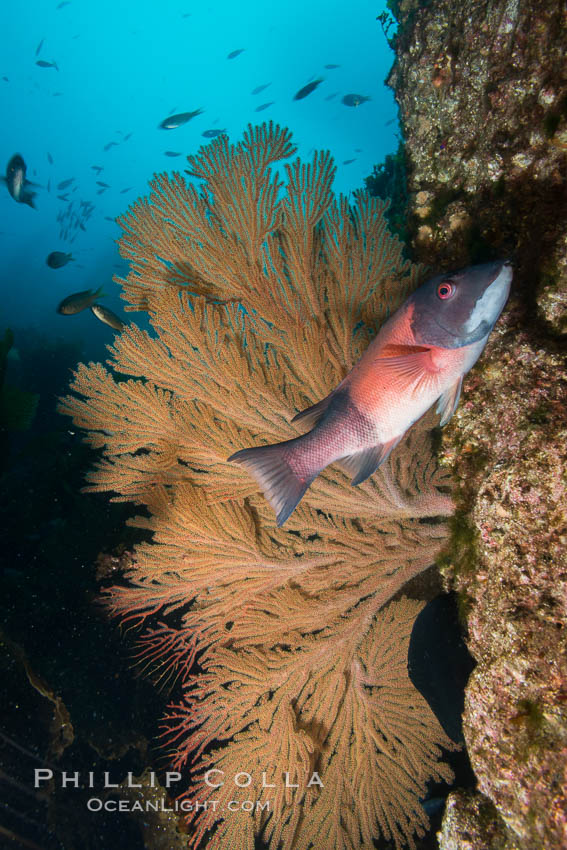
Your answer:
<point x="448" y="402"/>
<point x="362" y="464"/>
<point x="409" y="364"/>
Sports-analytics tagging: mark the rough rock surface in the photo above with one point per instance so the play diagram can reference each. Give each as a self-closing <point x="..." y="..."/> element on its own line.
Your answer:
<point x="470" y="822"/>
<point x="481" y="89"/>
<point x="506" y="445"/>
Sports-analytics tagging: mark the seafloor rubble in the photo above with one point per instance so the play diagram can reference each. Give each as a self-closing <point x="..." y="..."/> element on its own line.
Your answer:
<point x="484" y="112"/>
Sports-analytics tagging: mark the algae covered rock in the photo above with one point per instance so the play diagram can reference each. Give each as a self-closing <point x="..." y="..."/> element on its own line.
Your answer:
<point x="507" y="448"/>
<point x="482" y="92"/>
<point x="481" y="89"/>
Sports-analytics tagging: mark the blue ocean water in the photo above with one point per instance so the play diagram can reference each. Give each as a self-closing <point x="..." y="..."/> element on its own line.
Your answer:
<point x="122" y="67"/>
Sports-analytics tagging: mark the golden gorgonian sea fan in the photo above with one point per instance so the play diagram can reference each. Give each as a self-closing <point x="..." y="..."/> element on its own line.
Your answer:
<point x="262" y="290"/>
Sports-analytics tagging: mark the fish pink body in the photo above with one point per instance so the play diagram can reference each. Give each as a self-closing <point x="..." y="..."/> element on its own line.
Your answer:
<point x="393" y="384"/>
<point x="419" y="356"/>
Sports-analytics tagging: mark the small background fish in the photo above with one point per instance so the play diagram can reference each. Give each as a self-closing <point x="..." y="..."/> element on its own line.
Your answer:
<point x="79" y="301"/>
<point x="178" y="120"/>
<point x="58" y="259"/>
<point x="308" y="89"/>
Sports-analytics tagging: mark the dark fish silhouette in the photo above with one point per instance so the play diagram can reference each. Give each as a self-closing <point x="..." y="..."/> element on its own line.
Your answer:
<point x="39" y="46"/>
<point x="49" y="158"/>
<point x="15" y="180"/>
<point x="178" y="120"/>
<point x="58" y="259"/>
<point x="127" y="136"/>
<point x="107" y="316"/>
<point x="354" y="99"/>
<point x="310" y="87"/>
<point x="65" y="183"/>
<point x="331" y="96"/>
<point x="211" y="134"/>
<point x="100" y="183"/>
<point x="331" y="67"/>
<point x="63" y="197"/>
<point x="127" y="189"/>
<point x="97" y="168"/>
<point x="78" y="301"/>
<point x="110" y="145"/>
<point x="264" y="106"/>
<point x="172" y="153"/>
<point x="63" y="3"/>
<point x="234" y="53"/>
<point x="258" y="89"/>
<point x="348" y="161"/>
<point x="109" y="218"/>
<point x="43" y="64"/>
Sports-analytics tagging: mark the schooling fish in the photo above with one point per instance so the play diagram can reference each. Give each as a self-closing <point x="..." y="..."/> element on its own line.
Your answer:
<point x="15" y="180"/>
<point x="212" y="134"/>
<point x="107" y="316"/>
<point x="58" y="259"/>
<point x="234" y="53"/>
<point x="175" y="121"/>
<point x="310" y="87"/>
<point x="43" y="64"/>
<point x="419" y="357"/>
<point x="79" y="301"/>
<point x="264" y="106"/>
<point x="354" y="99"/>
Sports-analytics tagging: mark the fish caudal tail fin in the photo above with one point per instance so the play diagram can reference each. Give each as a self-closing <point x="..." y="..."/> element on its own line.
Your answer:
<point x="281" y="486"/>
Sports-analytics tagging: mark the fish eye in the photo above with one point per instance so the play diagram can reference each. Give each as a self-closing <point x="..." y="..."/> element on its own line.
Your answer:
<point x="445" y="289"/>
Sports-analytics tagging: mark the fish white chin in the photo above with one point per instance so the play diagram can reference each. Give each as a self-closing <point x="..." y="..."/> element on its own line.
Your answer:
<point x="492" y="301"/>
<point x="18" y="186"/>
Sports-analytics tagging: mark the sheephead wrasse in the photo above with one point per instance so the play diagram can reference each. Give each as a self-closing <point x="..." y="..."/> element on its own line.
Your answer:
<point x="419" y="357"/>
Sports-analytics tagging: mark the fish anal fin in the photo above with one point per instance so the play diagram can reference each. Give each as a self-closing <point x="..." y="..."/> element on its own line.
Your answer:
<point x="312" y="415"/>
<point x="363" y="464"/>
<point x="448" y="402"/>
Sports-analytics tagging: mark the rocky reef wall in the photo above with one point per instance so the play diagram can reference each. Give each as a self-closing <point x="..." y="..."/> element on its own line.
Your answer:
<point x="483" y="100"/>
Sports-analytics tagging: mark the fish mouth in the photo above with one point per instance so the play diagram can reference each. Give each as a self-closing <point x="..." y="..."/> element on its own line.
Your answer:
<point x="488" y="305"/>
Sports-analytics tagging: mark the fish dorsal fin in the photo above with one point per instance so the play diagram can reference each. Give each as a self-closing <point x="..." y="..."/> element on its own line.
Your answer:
<point x="448" y="402"/>
<point x="312" y="415"/>
<point x="411" y="364"/>
<point x="362" y="464"/>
